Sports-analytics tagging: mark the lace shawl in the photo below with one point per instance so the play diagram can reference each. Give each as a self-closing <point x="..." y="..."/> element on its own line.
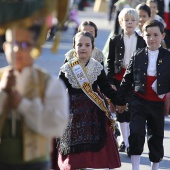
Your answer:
<point x="93" y="70"/>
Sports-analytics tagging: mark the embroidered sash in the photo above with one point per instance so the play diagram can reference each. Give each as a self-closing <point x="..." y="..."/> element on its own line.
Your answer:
<point x="82" y="79"/>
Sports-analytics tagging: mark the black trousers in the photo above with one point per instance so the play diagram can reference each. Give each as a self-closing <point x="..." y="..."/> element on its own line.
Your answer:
<point x="111" y="7"/>
<point x="145" y="113"/>
<point x="116" y="24"/>
<point x="123" y="117"/>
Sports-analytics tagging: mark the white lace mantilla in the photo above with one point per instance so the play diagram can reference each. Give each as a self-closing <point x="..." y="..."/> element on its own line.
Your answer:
<point x="70" y="54"/>
<point x="93" y="68"/>
<point x="96" y="54"/>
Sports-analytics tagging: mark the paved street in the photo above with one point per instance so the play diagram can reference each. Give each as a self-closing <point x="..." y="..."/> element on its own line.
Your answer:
<point x="52" y="62"/>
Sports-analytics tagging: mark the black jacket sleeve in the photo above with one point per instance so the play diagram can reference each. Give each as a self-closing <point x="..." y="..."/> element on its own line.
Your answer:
<point x="127" y="81"/>
<point x="111" y="60"/>
<point x="107" y="90"/>
<point x="63" y="78"/>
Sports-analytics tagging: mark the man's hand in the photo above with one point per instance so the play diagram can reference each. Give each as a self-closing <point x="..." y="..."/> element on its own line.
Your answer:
<point x="8" y="85"/>
<point x="8" y="81"/>
<point x="14" y="99"/>
<point x="120" y="109"/>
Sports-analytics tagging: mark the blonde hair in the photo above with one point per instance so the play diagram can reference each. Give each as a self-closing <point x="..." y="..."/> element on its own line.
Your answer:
<point x="128" y="12"/>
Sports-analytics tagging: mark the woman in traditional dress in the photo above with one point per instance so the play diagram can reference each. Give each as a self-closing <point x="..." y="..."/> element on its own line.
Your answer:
<point x="88" y="135"/>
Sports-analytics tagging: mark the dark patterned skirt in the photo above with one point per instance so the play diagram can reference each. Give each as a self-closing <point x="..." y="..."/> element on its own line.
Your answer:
<point x="88" y="141"/>
<point x="107" y="157"/>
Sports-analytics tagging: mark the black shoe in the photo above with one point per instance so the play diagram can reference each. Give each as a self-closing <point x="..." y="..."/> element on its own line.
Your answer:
<point x="128" y="151"/>
<point x="122" y="147"/>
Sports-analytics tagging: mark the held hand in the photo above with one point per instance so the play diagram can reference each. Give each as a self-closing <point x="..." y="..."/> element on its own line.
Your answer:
<point x="120" y="109"/>
<point x="14" y="99"/>
<point x="8" y="81"/>
<point x="111" y="107"/>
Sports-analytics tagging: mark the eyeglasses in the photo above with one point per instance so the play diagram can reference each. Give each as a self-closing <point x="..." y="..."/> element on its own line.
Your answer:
<point x="21" y="45"/>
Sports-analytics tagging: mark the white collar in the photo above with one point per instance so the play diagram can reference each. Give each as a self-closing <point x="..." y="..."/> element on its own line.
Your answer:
<point x="131" y="36"/>
<point x="93" y="70"/>
<point x="155" y="52"/>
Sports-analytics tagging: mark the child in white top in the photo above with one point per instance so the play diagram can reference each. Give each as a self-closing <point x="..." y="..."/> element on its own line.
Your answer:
<point x="153" y="4"/>
<point x="144" y="14"/>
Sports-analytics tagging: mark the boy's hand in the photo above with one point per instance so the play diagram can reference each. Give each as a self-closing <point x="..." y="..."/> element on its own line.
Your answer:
<point x="120" y="109"/>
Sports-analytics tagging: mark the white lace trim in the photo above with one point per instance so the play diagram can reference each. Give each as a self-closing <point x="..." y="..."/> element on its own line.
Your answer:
<point x="94" y="69"/>
<point x="96" y="54"/>
<point x="69" y="55"/>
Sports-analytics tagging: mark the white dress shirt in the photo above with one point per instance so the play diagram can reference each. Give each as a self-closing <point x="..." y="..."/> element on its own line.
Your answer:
<point x="151" y="71"/>
<point x="152" y="59"/>
<point x="130" y="46"/>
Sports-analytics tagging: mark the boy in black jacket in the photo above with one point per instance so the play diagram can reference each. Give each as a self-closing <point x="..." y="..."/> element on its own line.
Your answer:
<point x="121" y="48"/>
<point x="148" y="71"/>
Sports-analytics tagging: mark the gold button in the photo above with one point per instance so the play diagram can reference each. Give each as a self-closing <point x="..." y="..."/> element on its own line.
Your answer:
<point x="120" y="60"/>
<point x="159" y="85"/>
<point x="144" y="73"/>
<point x="159" y="74"/>
<point x="145" y="63"/>
<point x="158" y="64"/>
<point x="121" y="47"/>
<point x="142" y="84"/>
<point x="120" y="54"/>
